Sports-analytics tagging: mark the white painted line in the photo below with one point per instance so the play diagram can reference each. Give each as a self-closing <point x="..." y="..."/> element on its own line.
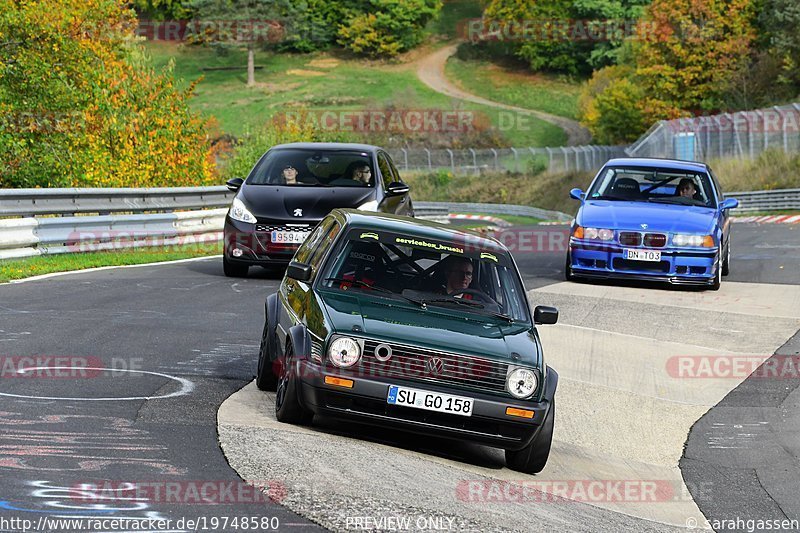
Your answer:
<point x="186" y="385"/>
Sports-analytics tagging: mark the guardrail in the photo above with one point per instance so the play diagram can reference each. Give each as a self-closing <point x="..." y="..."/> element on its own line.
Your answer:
<point x="777" y="200"/>
<point x="43" y="221"/>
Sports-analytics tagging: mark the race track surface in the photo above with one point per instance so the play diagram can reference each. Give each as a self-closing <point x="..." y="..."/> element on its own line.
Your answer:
<point x="184" y="339"/>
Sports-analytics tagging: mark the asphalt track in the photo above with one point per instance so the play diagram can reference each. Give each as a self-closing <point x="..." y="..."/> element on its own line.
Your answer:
<point x="622" y="416"/>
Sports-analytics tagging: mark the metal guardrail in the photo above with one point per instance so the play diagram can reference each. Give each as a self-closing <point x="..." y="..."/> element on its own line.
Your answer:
<point x="154" y="216"/>
<point x="777" y="200"/>
<point x="32" y="202"/>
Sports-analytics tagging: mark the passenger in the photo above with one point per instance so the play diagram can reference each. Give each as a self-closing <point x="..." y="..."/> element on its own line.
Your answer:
<point x="362" y="173"/>
<point x="289" y="175"/>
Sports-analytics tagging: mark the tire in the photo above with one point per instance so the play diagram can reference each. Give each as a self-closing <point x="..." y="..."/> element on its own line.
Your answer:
<point x="533" y="458"/>
<point x="717" y="277"/>
<point x="268" y="366"/>
<point x="287" y="407"/>
<point x="234" y="270"/>
<point x="726" y="265"/>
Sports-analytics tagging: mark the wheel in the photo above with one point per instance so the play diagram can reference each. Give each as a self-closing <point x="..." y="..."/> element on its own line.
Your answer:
<point x="287" y="406"/>
<point x="568" y="268"/>
<point x="234" y="270"/>
<point x="717" y="277"/>
<point x="532" y="458"/>
<point x="268" y="366"/>
<point x="726" y="266"/>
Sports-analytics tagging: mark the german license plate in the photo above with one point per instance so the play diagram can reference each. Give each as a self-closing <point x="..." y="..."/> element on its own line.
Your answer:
<point x="430" y="401"/>
<point x="643" y="255"/>
<point x="288" y="237"/>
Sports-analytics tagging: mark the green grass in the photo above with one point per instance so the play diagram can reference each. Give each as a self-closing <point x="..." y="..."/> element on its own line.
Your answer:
<point x="453" y="15"/>
<point x="284" y="84"/>
<point x="11" y="269"/>
<point x="539" y="92"/>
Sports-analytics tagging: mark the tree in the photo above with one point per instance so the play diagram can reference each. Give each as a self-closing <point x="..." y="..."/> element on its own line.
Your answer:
<point x="80" y="108"/>
<point x="246" y="22"/>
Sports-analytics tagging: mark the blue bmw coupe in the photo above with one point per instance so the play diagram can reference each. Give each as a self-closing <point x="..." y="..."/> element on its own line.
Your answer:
<point x="652" y="219"/>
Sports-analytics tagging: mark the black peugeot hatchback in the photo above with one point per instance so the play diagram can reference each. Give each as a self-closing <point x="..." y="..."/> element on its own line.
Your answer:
<point x="293" y="186"/>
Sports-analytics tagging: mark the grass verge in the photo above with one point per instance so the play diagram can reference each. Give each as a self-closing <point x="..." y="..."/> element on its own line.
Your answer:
<point x="539" y="92"/>
<point x="26" y="267"/>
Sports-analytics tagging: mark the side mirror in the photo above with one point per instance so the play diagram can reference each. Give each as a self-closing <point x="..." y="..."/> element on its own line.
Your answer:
<point x="544" y="314"/>
<point x="234" y="184"/>
<point x="577" y="194"/>
<point x="396" y="188"/>
<point x="729" y="203"/>
<point x="298" y="271"/>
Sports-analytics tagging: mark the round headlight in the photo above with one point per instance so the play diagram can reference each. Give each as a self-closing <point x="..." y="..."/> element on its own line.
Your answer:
<point x="605" y="234"/>
<point x="522" y="382"/>
<point x="344" y="352"/>
<point x="591" y="233"/>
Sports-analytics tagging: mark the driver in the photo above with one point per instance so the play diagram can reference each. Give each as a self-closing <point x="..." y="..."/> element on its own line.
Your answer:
<point x="458" y="274"/>
<point x="686" y="188"/>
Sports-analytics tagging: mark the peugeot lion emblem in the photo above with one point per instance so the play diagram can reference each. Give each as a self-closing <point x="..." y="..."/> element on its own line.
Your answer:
<point x="435" y="365"/>
<point x="298" y="212"/>
<point x="644" y="226"/>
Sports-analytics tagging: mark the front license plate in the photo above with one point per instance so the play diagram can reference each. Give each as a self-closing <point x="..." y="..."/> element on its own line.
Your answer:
<point x="430" y="401"/>
<point x="643" y="255"/>
<point x="288" y="237"/>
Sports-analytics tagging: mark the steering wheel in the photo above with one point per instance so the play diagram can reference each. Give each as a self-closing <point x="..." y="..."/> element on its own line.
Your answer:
<point x="479" y="295"/>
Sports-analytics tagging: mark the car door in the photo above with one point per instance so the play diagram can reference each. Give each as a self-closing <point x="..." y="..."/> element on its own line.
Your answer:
<point x="399" y="204"/>
<point x="293" y="295"/>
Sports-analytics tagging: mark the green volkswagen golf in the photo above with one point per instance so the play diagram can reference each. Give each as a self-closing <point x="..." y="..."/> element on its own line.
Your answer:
<point x="394" y="321"/>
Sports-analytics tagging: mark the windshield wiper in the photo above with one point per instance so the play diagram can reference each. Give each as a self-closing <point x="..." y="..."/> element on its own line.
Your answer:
<point x="473" y="305"/>
<point x="361" y="284"/>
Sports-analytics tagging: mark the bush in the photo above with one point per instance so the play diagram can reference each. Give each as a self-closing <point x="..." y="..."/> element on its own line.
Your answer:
<point x="387" y="27"/>
<point x="610" y="106"/>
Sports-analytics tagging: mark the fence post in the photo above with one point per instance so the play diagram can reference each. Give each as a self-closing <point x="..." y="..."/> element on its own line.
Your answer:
<point x="452" y="160"/>
<point x="765" y="132"/>
<point x="577" y="161"/>
<point x="719" y="134"/>
<point x="430" y="166"/>
<point x="474" y="161"/>
<point x="496" y="164"/>
<point x="549" y="156"/>
<point x="566" y="160"/>
<point x="783" y="128"/>
<point x="797" y="109"/>
<point x="516" y="159"/>
<point x="405" y="158"/>
<point x="749" y="134"/>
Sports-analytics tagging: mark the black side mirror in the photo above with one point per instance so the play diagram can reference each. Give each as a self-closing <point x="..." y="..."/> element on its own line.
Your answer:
<point x="298" y="271"/>
<point x="396" y="188"/>
<point x="544" y="314"/>
<point x="234" y="184"/>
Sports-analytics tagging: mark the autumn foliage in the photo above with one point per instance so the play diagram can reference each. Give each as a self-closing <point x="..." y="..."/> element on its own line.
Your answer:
<point x="80" y="108"/>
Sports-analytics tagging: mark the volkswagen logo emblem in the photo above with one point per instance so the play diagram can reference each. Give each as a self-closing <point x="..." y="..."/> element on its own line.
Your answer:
<point x="435" y="365"/>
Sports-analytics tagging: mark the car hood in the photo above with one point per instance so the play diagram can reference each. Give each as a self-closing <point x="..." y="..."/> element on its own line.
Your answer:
<point x="436" y="328"/>
<point x="658" y="217"/>
<point x="280" y="202"/>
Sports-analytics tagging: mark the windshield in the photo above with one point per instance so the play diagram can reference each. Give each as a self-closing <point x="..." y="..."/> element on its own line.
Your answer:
<point x="428" y="273"/>
<point x="329" y="168"/>
<point x="637" y="184"/>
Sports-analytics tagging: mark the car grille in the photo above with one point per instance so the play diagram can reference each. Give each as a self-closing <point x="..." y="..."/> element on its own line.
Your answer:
<point x="419" y="364"/>
<point x="294" y="227"/>
<point x="626" y="264"/>
<point x="630" y="238"/>
<point x="655" y="240"/>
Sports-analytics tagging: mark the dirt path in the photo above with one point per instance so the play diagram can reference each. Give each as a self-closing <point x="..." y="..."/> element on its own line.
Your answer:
<point x="430" y="71"/>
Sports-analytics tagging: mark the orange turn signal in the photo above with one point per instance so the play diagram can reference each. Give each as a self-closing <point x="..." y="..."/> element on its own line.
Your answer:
<point x="339" y="382"/>
<point x="522" y="413"/>
<point x="708" y="241"/>
<point x="578" y="233"/>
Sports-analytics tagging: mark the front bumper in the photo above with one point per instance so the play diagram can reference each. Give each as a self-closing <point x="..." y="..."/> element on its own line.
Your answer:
<point x="255" y="246"/>
<point x="366" y="403"/>
<point x="677" y="266"/>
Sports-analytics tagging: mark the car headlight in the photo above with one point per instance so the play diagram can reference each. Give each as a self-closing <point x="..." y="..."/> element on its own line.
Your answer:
<point x="522" y="383"/>
<point x="371" y="205"/>
<point x="344" y="352"/>
<point x="239" y="212"/>
<point x="598" y="234"/>
<point x="699" y="241"/>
